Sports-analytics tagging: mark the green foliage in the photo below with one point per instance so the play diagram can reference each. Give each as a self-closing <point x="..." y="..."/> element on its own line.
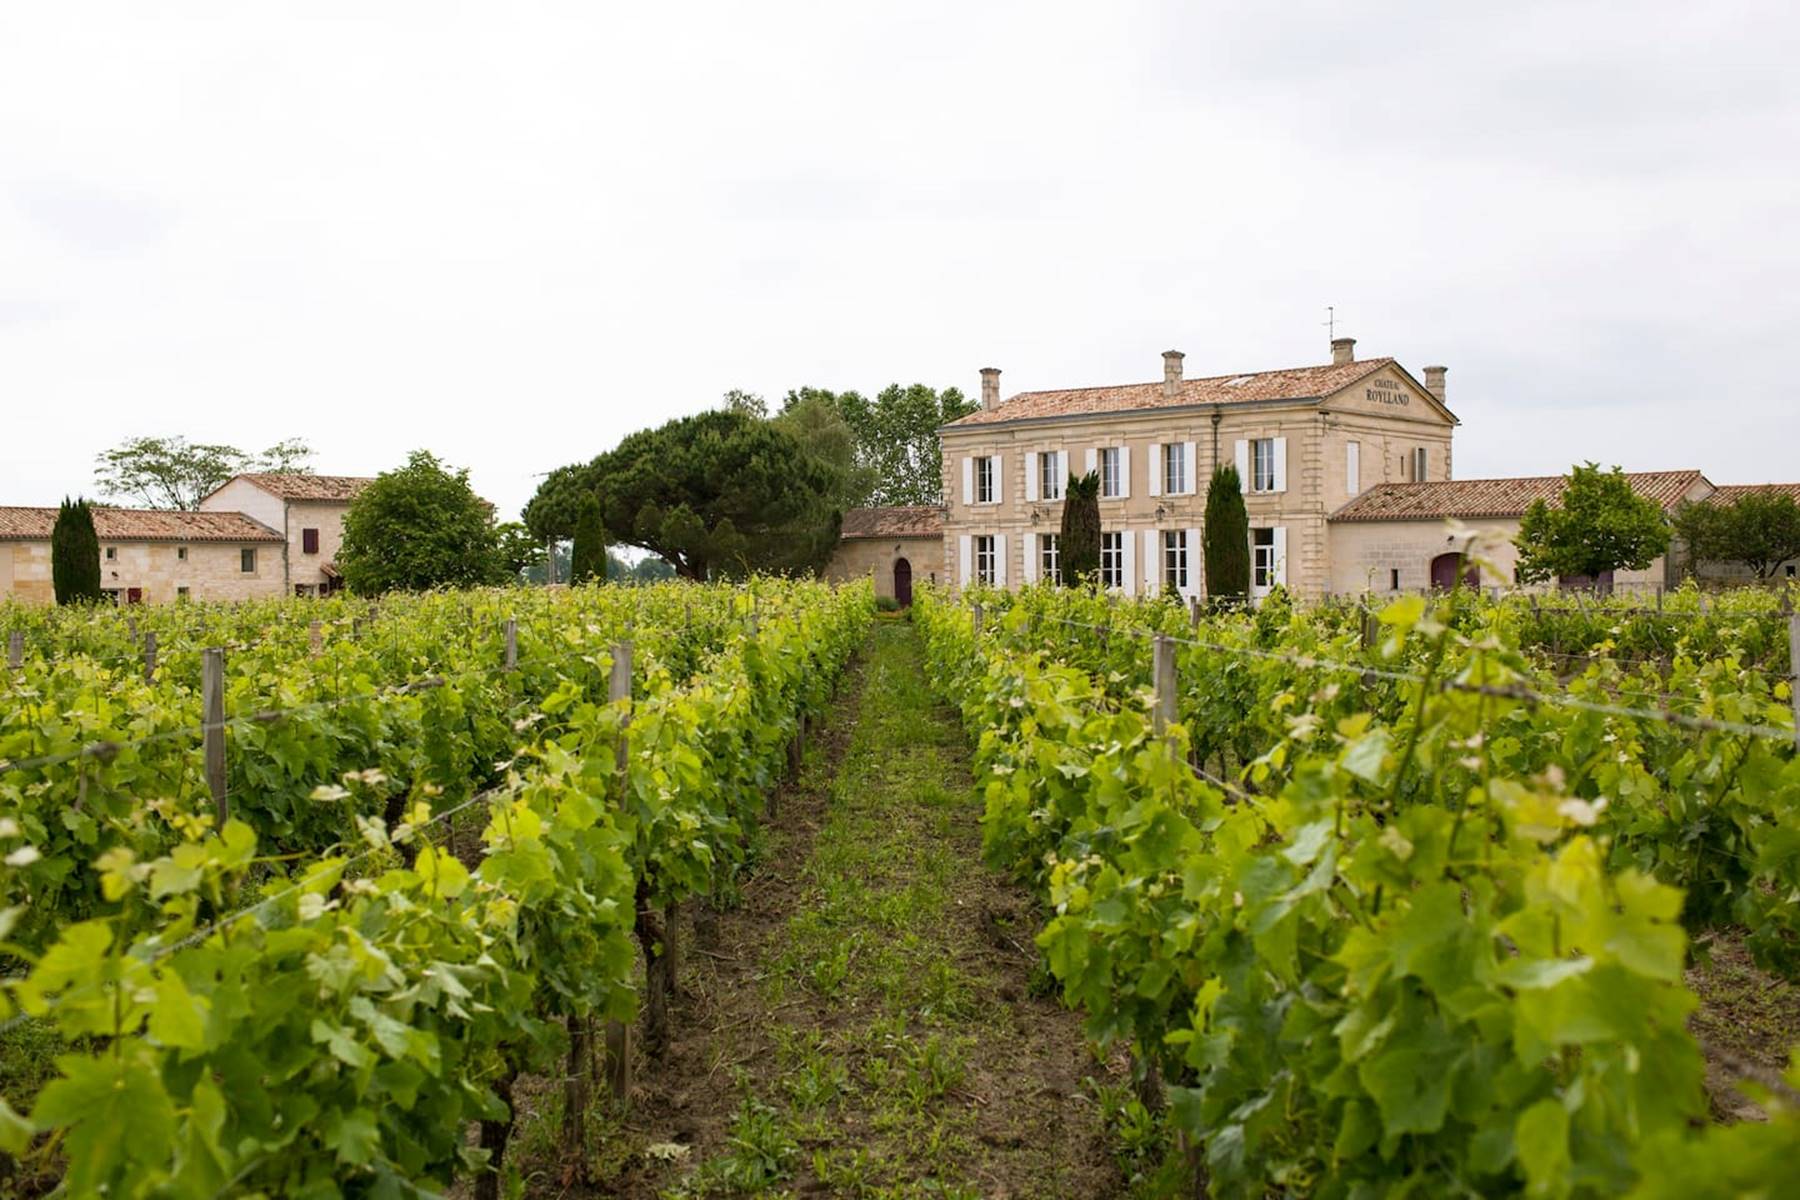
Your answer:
<point x="420" y="526"/>
<point x="75" y="554"/>
<point x="1225" y="537"/>
<point x="1598" y="525"/>
<point x="818" y="425"/>
<point x="1078" y="549"/>
<point x="1760" y="529"/>
<point x="588" y="562"/>
<point x="517" y="550"/>
<point x="172" y="472"/>
<point x="718" y="493"/>
<point x="897" y="453"/>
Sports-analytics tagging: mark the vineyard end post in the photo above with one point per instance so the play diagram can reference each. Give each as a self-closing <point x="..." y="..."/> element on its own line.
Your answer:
<point x="1163" y="715"/>
<point x="512" y="643"/>
<point x="976" y="618"/>
<point x="617" y="1033"/>
<point x="1794" y="670"/>
<point x="212" y="699"/>
<point x="15" y="649"/>
<point x="315" y="637"/>
<point x="150" y="657"/>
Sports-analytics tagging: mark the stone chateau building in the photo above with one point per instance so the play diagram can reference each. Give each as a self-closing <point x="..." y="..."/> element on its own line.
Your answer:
<point x="1347" y="470"/>
<point x="257" y="535"/>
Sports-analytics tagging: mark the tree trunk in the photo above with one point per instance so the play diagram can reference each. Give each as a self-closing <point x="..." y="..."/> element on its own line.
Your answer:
<point x="652" y="932"/>
<point x="494" y="1136"/>
<point x="575" y="1101"/>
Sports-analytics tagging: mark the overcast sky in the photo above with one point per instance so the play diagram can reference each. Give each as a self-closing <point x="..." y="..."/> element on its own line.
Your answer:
<point x="512" y="233"/>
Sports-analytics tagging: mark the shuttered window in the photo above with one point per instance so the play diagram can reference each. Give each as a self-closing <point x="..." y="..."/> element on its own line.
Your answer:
<point x="309" y="541"/>
<point x="1112" y="560"/>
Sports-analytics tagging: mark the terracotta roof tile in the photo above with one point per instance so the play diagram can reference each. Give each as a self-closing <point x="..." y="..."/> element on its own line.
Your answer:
<point x="295" y="485"/>
<point x="140" y="525"/>
<point x="1293" y="383"/>
<point x="897" y="521"/>
<point x="1730" y="493"/>
<point x="1466" y="499"/>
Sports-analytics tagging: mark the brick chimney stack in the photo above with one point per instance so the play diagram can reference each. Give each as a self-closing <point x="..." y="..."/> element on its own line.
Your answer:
<point x="990" y="387"/>
<point x="1343" y="350"/>
<point x="1434" y="382"/>
<point x="1172" y="373"/>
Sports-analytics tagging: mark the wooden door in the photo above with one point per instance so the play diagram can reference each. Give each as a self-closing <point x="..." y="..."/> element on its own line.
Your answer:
<point x="1443" y="573"/>
<point x="134" y="595"/>
<point x="902" y="582"/>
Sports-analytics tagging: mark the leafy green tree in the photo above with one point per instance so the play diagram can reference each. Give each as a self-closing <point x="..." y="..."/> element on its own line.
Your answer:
<point x="1598" y="525"/>
<point x="421" y="526"/>
<point x="818" y="425"/>
<point x="1760" y="529"/>
<point x="588" y="562"/>
<point x="896" y="437"/>
<point x="171" y="472"/>
<point x="717" y="493"/>
<point x="749" y="403"/>
<point x="75" y="554"/>
<point x="1225" y="541"/>
<point x="1078" y="549"/>
<point x="517" y="550"/>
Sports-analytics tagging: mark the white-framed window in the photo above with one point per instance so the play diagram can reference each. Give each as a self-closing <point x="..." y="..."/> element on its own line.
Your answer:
<point x="1420" y="464"/>
<point x="1112" y="477"/>
<point x="985" y="490"/>
<point x="985" y="559"/>
<point x="1175" y="469"/>
<point x="1262" y="464"/>
<point x="1050" y="475"/>
<point x="247" y="560"/>
<point x="1050" y="557"/>
<point x="1175" y="559"/>
<point x="1112" y="560"/>
<point x="1262" y="559"/>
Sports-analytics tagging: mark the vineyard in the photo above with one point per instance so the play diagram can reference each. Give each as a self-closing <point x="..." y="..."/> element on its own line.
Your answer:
<point x="304" y="889"/>
<point x="1399" y="900"/>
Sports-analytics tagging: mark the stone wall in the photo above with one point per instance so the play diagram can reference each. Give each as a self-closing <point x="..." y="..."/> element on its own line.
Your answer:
<point x="209" y="571"/>
<point x="304" y="570"/>
<point x="855" y="557"/>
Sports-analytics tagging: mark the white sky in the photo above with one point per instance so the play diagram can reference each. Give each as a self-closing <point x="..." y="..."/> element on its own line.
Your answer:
<point x="512" y="233"/>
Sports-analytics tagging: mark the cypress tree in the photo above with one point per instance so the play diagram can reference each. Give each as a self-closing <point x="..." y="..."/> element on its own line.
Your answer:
<point x="1226" y="541"/>
<point x="587" y="561"/>
<point x="1079" y="550"/>
<point x="75" y="554"/>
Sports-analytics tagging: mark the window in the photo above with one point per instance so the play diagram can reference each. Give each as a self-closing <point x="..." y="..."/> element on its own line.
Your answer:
<point x="1790" y="570"/>
<point x="112" y="552"/>
<point x="1050" y="557"/>
<point x="1112" y="483"/>
<point x="1112" y="560"/>
<point x="984" y="558"/>
<point x="181" y="554"/>
<point x="1175" y="473"/>
<point x="1175" y="559"/>
<point x="984" y="480"/>
<point x="1394" y="580"/>
<point x="1262" y="465"/>
<point x="1050" y="475"/>
<point x="111" y="594"/>
<point x="1419" y="474"/>
<point x="1263" y="573"/>
<point x="309" y="541"/>
<point x="181" y="593"/>
<point x="247" y="560"/>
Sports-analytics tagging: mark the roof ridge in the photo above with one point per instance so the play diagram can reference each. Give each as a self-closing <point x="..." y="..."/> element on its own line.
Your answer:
<point x="1096" y="387"/>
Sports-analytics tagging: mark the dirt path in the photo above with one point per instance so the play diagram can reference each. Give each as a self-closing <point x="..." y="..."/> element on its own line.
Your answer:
<point x="865" y="1024"/>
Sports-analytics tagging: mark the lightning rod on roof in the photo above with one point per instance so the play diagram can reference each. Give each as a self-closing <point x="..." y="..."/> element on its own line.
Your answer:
<point x="1330" y="321"/>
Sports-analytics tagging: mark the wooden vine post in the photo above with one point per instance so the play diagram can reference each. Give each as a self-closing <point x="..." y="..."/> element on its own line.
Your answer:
<point x="212" y="701"/>
<point x="150" y="657"/>
<point x="618" y="1033"/>
<point x="1793" y="624"/>
<point x="511" y="634"/>
<point x="1162" y="715"/>
<point x="315" y="637"/>
<point x="15" y="649"/>
<point x="976" y="618"/>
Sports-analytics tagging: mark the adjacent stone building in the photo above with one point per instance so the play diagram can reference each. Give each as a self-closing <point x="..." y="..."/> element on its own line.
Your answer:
<point x="148" y="555"/>
<point x="308" y="510"/>
<point x="1305" y="441"/>
<point x="900" y="545"/>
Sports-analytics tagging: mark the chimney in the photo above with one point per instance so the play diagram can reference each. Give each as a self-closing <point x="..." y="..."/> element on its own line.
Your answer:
<point x="1343" y="350"/>
<point x="1172" y="373"/>
<point x="990" y="387"/>
<point x="1434" y="381"/>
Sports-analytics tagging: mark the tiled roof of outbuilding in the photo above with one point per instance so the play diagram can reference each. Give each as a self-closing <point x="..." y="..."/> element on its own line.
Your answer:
<point x="1467" y="499"/>
<point x="1293" y="383"/>
<point x="1730" y="493"/>
<point x="895" y="521"/>
<point x="140" y="525"/>
<point x="296" y="485"/>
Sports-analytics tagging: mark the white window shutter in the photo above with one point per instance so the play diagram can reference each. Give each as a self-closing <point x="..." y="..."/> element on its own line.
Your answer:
<point x="1031" y="475"/>
<point x="1281" y="571"/>
<point x="1353" y="468"/>
<point x="1193" y="467"/>
<point x="1155" y="467"/>
<point x="1062" y="473"/>
<point x="999" y="560"/>
<point x="1243" y="464"/>
<point x="968" y="498"/>
<point x="966" y="549"/>
<point x="1281" y="464"/>
<point x="999" y="481"/>
<point x="1424" y="464"/>
<point x="1128" y="565"/>
<point x="1193" y="557"/>
<point x="1093" y="459"/>
<point x="1029" y="573"/>
<point x="1152" y="562"/>
<point x="1124" y="472"/>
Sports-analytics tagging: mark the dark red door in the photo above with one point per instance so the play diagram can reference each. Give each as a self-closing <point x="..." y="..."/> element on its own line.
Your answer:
<point x="1443" y="573"/>
<point x="134" y="595"/>
<point x="903" y="582"/>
